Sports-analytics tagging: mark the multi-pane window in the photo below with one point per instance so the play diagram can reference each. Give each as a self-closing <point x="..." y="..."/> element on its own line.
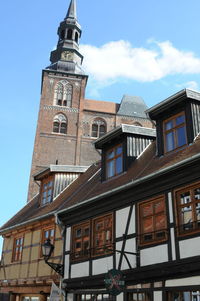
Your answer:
<point x="142" y="296"/>
<point x="92" y="238"/>
<point x="63" y="94"/>
<point x="47" y="191"/>
<point x="114" y="161"/>
<point x="60" y="124"/>
<point x="98" y="128"/>
<point x="102" y="235"/>
<point x="47" y="233"/>
<point x="17" y="248"/>
<point x="152" y="221"/>
<point x="188" y="209"/>
<point x="174" y="132"/>
<point x="81" y="241"/>
<point x="184" y="296"/>
<point x="94" y="297"/>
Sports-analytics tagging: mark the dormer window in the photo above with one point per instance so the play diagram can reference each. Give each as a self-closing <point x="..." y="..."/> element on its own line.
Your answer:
<point x="47" y="191"/>
<point x="114" y="161"/>
<point x="175" y="132"/>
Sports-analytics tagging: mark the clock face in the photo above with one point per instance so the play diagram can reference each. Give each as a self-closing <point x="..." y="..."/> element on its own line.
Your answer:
<point x="67" y="56"/>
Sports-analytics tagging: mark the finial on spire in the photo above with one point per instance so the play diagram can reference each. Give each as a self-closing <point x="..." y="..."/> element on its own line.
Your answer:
<point x="72" y="10"/>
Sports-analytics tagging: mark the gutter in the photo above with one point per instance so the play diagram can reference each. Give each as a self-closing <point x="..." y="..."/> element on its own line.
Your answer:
<point x="28" y="222"/>
<point x="131" y="184"/>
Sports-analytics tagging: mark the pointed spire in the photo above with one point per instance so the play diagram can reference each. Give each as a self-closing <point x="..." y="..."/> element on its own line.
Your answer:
<point x="72" y="10"/>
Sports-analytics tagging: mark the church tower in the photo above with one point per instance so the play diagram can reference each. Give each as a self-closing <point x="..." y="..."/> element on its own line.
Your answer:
<point x="63" y="89"/>
<point x="68" y="124"/>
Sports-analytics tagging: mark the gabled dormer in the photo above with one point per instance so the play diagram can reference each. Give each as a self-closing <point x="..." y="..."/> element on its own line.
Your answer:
<point x="54" y="179"/>
<point x="177" y="121"/>
<point x="121" y="146"/>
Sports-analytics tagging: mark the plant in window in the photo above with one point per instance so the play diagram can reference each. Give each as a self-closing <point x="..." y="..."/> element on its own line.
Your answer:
<point x="175" y="132"/>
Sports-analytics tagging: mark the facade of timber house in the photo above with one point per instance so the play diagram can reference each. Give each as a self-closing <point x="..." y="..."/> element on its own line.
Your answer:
<point x="68" y="124"/>
<point x="117" y="197"/>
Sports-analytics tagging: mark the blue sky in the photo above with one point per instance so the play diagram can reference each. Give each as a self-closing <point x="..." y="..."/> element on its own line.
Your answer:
<point x="148" y="48"/>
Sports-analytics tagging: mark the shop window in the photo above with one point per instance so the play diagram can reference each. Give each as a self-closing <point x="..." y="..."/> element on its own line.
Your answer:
<point x="184" y="296"/>
<point x="81" y="241"/>
<point x="139" y="296"/>
<point x="47" y="191"/>
<point x="94" y="297"/>
<point x="174" y="132"/>
<point x="60" y="124"/>
<point x="153" y="221"/>
<point x="114" y="161"/>
<point x="102" y="235"/>
<point x="188" y="209"/>
<point x="98" y="128"/>
<point x="30" y="299"/>
<point x="17" y="248"/>
<point x="92" y="238"/>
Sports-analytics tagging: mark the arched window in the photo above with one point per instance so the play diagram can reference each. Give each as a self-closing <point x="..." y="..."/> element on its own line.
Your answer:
<point x="137" y="123"/>
<point x="62" y="34"/>
<point x="76" y="37"/>
<point x="63" y="94"/>
<point x="69" y="34"/>
<point x="98" y="128"/>
<point x="60" y="124"/>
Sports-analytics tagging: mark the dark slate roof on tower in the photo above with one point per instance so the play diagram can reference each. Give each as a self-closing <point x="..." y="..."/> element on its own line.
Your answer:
<point x="132" y="106"/>
<point x="71" y="13"/>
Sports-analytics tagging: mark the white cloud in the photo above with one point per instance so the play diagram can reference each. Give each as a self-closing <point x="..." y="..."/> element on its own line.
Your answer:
<point x="119" y="59"/>
<point x="190" y="85"/>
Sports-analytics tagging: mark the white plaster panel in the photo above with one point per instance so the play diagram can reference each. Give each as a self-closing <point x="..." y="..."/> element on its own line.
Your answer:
<point x="189" y="247"/>
<point x="157" y="296"/>
<point x="66" y="268"/>
<point x="120" y="297"/>
<point x="102" y="265"/>
<point x="131" y="229"/>
<point x="121" y="221"/>
<point x="68" y="239"/>
<point x="129" y="247"/>
<point x="70" y="297"/>
<point x="173" y="244"/>
<point x="154" y="255"/>
<point x="118" y="247"/>
<point x="183" y="281"/>
<point x="171" y="217"/>
<point x="80" y="269"/>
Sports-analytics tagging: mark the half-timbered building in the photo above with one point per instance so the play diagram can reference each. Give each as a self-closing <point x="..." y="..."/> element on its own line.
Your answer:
<point x="138" y="211"/>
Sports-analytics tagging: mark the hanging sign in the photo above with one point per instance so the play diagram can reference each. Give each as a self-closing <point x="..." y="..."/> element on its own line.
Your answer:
<point x="114" y="282"/>
<point x="56" y="294"/>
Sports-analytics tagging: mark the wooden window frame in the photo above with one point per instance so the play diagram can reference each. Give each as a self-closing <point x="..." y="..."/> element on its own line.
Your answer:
<point x="194" y="226"/>
<point x="43" y="238"/>
<point x="114" y="159"/>
<point x="44" y="182"/>
<point x="138" y="294"/>
<point x="158" y="236"/>
<point x="17" y="255"/>
<point x="83" y="238"/>
<point x="106" y="247"/>
<point x="174" y="131"/>
<point x="90" y="238"/>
